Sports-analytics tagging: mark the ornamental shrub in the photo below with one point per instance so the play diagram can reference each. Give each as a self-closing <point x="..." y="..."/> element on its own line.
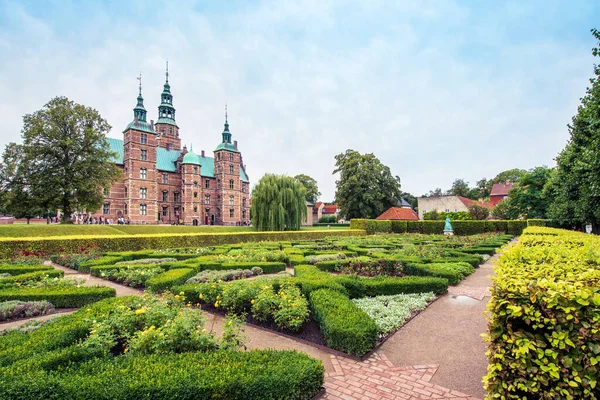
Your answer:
<point x="344" y="326"/>
<point x="16" y="269"/>
<point x="544" y="329"/>
<point x="399" y="226"/>
<point x="24" y="309"/>
<point x="67" y="297"/>
<point x="167" y="280"/>
<point x="453" y="272"/>
<point x="515" y="228"/>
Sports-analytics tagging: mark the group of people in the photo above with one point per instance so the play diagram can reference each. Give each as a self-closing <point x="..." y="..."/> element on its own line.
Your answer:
<point x="103" y="221"/>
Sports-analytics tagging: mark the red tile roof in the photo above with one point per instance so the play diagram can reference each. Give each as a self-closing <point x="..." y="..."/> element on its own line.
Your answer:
<point x="500" y="189"/>
<point x="468" y="202"/>
<point x="331" y="209"/>
<point x="402" y="213"/>
<point x="318" y="204"/>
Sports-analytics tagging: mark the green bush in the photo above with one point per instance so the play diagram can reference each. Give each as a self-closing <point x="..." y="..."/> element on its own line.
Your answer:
<point x="496" y="226"/>
<point x="540" y="222"/>
<point x="32" y="276"/>
<point x="544" y="328"/>
<point x="414" y="226"/>
<point x="388" y="285"/>
<point x="515" y="228"/>
<point x="102" y="270"/>
<point x="358" y="223"/>
<point x="344" y="326"/>
<point x="16" y="269"/>
<point x="267" y="267"/>
<point x="251" y="375"/>
<point x="168" y="279"/>
<point x="433" y="227"/>
<point x="399" y="226"/>
<point x="453" y="272"/>
<point x="60" y="297"/>
<point x="297" y="259"/>
<point x="468" y="227"/>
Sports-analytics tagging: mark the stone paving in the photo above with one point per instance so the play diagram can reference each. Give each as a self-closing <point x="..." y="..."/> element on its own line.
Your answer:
<point x="377" y="378"/>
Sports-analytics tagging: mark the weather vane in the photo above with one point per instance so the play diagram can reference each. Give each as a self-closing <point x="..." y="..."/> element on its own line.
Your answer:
<point x="167" y="72"/>
<point x="225" y="113"/>
<point x="139" y="78"/>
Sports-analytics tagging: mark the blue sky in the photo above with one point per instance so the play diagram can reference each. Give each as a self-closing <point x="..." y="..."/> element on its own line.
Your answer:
<point x="438" y="90"/>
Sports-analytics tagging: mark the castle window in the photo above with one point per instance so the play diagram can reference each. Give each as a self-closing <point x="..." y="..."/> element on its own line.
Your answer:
<point x="243" y="188"/>
<point x="231" y="200"/>
<point x="143" y="193"/>
<point x="195" y="194"/>
<point x="165" y="178"/>
<point x="143" y="173"/>
<point x="195" y="171"/>
<point x="195" y="209"/>
<point x="218" y="183"/>
<point x="106" y="208"/>
<point x="176" y="197"/>
<point x="243" y="214"/>
<point x="165" y="196"/>
<point x="231" y="169"/>
<point x="106" y="192"/>
<point x="195" y="184"/>
<point x="218" y="156"/>
<point x="125" y="209"/>
<point x="207" y="199"/>
<point x="165" y="211"/>
<point x="169" y="146"/>
<point x="176" y="211"/>
<point x="231" y="212"/>
<point x="170" y="129"/>
<point x="231" y="184"/>
<point x="207" y="183"/>
<point x="143" y="138"/>
<point x="143" y="155"/>
<point x="126" y="191"/>
<point x="143" y="209"/>
<point x="244" y="202"/>
<point x="218" y="169"/>
<point x="230" y="156"/>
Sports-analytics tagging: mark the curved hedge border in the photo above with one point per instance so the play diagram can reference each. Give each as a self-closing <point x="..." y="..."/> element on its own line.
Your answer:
<point x="372" y="226"/>
<point x="55" y="245"/>
<point x="168" y="279"/>
<point x="544" y="329"/>
<point x="67" y="297"/>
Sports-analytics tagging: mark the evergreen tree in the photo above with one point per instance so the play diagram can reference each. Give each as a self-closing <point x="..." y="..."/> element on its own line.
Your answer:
<point x="278" y="203"/>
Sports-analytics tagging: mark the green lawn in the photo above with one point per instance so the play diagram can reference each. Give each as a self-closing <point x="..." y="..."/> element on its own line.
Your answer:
<point x="43" y="230"/>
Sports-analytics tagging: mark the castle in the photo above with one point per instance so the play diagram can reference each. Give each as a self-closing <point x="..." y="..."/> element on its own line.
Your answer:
<point x="165" y="184"/>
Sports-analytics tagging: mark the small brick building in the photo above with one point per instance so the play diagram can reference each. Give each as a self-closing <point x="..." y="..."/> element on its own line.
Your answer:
<point x="499" y="192"/>
<point x="165" y="183"/>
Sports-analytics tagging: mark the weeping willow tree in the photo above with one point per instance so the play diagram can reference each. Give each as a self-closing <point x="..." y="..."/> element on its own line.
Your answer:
<point x="278" y="203"/>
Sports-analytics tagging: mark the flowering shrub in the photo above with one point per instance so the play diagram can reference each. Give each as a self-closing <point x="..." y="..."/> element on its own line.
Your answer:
<point x="74" y="259"/>
<point x="201" y="251"/>
<point x="287" y="307"/>
<point x="390" y="312"/>
<point x="28" y="257"/>
<point x="224" y="275"/>
<point x="23" y="309"/>
<point x="370" y="267"/>
<point x="147" y="261"/>
<point x="150" y="325"/>
<point x="324" y="257"/>
<point x="134" y="277"/>
<point x="241" y="255"/>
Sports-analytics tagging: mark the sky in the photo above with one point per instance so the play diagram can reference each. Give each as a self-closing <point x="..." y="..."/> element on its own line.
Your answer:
<point x="437" y="90"/>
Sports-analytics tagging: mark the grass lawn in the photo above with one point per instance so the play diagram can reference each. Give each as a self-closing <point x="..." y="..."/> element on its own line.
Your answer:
<point x="43" y="230"/>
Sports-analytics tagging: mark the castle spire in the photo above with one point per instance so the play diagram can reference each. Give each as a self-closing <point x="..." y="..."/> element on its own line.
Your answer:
<point x="139" y="112"/>
<point x="166" y="111"/>
<point x="226" y="133"/>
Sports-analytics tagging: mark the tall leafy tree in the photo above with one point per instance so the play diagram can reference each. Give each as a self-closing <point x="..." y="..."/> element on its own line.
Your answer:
<point x="510" y="175"/>
<point x="437" y="192"/>
<point x="527" y="198"/>
<point x="67" y="156"/>
<point x="366" y="187"/>
<point x="460" y="188"/>
<point x="478" y="212"/>
<point x="278" y="203"/>
<point x="575" y="189"/>
<point x="310" y="184"/>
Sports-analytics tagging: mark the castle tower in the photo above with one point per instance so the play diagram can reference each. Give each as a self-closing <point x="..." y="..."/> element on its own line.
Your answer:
<point x="139" y="167"/>
<point x="166" y="126"/>
<point x="227" y="172"/>
<point x="191" y="188"/>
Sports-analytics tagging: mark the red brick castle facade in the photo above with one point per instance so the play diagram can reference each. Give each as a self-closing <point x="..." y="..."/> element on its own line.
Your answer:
<point x="165" y="183"/>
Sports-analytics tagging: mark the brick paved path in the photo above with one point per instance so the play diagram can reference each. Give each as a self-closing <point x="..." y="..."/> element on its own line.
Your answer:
<point x="377" y="378"/>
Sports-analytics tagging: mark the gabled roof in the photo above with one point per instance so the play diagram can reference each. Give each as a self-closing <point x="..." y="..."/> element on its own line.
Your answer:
<point x="166" y="160"/>
<point x="330" y="209"/>
<point x="501" y="189"/>
<point x="399" y="213"/>
<point x="468" y="202"/>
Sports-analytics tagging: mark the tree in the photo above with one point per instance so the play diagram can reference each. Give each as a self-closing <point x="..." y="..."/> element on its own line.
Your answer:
<point x="503" y="210"/>
<point x="66" y="156"/>
<point x="431" y="215"/>
<point x="527" y="198"/>
<point x="575" y="188"/>
<point x="459" y="188"/>
<point x="278" y="203"/>
<point x="510" y="175"/>
<point x="478" y="212"/>
<point x="366" y="187"/>
<point x="312" y="190"/>
<point x="437" y="192"/>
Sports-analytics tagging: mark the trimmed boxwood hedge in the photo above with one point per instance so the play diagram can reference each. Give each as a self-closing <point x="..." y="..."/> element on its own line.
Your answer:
<point x="453" y="272"/>
<point x="468" y="227"/>
<point x="32" y="276"/>
<point x="168" y="279"/>
<point x="97" y="271"/>
<point x="389" y="285"/>
<point x="55" y="245"/>
<point x="267" y="267"/>
<point x="18" y="269"/>
<point x="60" y="297"/>
<point x="344" y="326"/>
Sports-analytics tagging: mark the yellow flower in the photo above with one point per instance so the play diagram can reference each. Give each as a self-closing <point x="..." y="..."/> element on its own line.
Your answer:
<point x="229" y="323"/>
<point x="201" y="296"/>
<point x="140" y="311"/>
<point x="216" y="304"/>
<point x="126" y="350"/>
<point x="252" y="301"/>
<point x="181" y="293"/>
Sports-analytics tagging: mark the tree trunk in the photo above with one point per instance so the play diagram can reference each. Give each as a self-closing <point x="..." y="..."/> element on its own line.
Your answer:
<point x="28" y="218"/>
<point x="66" y="210"/>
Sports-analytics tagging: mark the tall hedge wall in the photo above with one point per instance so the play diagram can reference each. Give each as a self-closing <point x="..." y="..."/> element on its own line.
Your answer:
<point x="54" y="245"/>
<point x="544" y="330"/>
<point x="372" y="226"/>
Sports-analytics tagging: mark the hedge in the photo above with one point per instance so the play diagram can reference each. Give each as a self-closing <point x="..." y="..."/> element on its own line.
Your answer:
<point x="70" y="244"/>
<point x="544" y="329"/>
<point x="32" y="276"/>
<point x="67" y="297"/>
<point x="267" y="267"/>
<point x="514" y="228"/>
<point x="540" y="222"/>
<point x="97" y="271"/>
<point x="168" y="279"/>
<point x="18" y="269"/>
<point x="399" y="226"/>
<point x="453" y="272"/>
<point x="389" y="285"/>
<point x="433" y="227"/>
<point x="344" y="326"/>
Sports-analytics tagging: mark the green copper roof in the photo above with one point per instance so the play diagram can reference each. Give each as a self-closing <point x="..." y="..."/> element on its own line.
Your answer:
<point x="166" y="121"/>
<point x="166" y="159"/>
<point x="226" y="146"/>
<point x="139" y="126"/>
<point x="191" y="158"/>
<point x="116" y="146"/>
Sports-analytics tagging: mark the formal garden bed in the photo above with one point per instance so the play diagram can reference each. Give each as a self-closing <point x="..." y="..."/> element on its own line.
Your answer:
<point x="348" y="293"/>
